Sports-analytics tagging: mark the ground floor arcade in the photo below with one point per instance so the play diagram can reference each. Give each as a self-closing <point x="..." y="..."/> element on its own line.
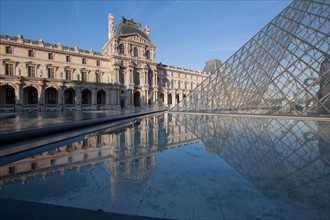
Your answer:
<point x="20" y="96"/>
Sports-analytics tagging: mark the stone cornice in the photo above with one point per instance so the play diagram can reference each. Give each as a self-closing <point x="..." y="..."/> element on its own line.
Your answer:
<point x="56" y="48"/>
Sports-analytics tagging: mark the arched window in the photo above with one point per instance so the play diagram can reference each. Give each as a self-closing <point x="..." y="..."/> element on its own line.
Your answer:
<point x="101" y="97"/>
<point x="69" y="96"/>
<point x="51" y="96"/>
<point x="121" y="49"/>
<point x="136" y="52"/>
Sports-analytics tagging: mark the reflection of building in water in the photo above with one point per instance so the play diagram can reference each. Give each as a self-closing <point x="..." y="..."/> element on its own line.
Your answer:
<point x="275" y="154"/>
<point x="128" y="153"/>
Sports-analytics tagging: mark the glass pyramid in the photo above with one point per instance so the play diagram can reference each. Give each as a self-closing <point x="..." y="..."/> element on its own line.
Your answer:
<point x="284" y="69"/>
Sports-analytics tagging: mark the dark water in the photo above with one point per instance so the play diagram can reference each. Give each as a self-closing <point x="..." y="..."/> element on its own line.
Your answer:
<point x="187" y="167"/>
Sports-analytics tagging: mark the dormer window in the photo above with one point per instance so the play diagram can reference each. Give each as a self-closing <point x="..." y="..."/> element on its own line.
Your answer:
<point x="50" y="56"/>
<point x="136" y="52"/>
<point x="121" y="49"/>
<point x="83" y="60"/>
<point x="31" y="53"/>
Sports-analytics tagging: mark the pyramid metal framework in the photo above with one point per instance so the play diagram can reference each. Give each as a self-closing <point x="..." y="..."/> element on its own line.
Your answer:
<point x="284" y="69"/>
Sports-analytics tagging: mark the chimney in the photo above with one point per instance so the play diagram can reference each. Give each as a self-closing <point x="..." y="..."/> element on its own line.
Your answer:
<point x="111" y="25"/>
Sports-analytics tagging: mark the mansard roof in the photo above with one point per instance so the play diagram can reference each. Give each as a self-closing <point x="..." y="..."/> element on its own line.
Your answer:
<point x="129" y="27"/>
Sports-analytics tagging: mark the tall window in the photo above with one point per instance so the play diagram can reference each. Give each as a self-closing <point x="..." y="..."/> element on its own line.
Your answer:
<point x="135" y="52"/>
<point x="9" y="69"/>
<point x="148" y="55"/>
<point x="68" y="59"/>
<point x="31" y="71"/>
<point x="121" y="49"/>
<point x="83" y="60"/>
<point x="121" y="76"/>
<point x="68" y="74"/>
<point x="97" y="63"/>
<point x="31" y="53"/>
<point x="84" y="76"/>
<point x="51" y="73"/>
<point x="50" y="56"/>
<point x="97" y="77"/>
<point x="136" y="78"/>
<point x="9" y="50"/>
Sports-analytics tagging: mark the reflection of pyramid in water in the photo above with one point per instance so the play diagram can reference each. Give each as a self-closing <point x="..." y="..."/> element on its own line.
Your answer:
<point x="283" y="69"/>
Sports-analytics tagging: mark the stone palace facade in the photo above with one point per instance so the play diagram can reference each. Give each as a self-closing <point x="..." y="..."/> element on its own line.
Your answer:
<point x="40" y="76"/>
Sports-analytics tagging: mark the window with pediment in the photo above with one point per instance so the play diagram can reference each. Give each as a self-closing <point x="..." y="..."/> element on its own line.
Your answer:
<point x="97" y="77"/>
<point x="121" y="49"/>
<point x="31" y="71"/>
<point x="68" y="75"/>
<point x="9" y="69"/>
<point x="136" y="52"/>
<point x="51" y="73"/>
<point x="148" y="55"/>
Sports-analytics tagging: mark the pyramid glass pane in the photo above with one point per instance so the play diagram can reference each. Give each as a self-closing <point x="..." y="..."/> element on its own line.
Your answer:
<point x="284" y="69"/>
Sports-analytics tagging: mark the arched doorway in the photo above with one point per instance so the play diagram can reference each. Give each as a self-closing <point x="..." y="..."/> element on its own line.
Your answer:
<point x="137" y="99"/>
<point x="86" y="97"/>
<point x="7" y="95"/>
<point x="51" y="96"/>
<point x="69" y="96"/>
<point x="177" y="97"/>
<point x="161" y="96"/>
<point x="101" y="97"/>
<point x="30" y="96"/>
<point x="169" y="99"/>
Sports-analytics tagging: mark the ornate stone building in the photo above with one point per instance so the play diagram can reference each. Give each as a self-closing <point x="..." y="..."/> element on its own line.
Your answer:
<point x="39" y="76"/>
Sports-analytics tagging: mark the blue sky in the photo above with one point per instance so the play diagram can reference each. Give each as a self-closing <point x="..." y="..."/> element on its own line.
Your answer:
<point x="186" y="33"/>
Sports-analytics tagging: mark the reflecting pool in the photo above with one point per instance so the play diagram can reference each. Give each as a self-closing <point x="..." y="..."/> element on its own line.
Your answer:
<point x="26" y="120"/>
<point x="186" y="166"/>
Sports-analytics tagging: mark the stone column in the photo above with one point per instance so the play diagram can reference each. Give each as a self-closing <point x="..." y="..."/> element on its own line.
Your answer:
<point x="107" y="98"/>
<point x="94" y="98"/>
<point x="60" y="98"/>
<point x="78" y="98"/>
<point x="19" y="96"/>
<point x="41" y="96"/>
<point x="165" y="98"/>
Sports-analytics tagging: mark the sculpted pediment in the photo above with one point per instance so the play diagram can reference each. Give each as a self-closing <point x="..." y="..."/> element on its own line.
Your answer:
<point x="138" y="38"/>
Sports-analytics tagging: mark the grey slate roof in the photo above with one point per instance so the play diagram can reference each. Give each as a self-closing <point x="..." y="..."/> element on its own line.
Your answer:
<point x="126" y="28"/>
